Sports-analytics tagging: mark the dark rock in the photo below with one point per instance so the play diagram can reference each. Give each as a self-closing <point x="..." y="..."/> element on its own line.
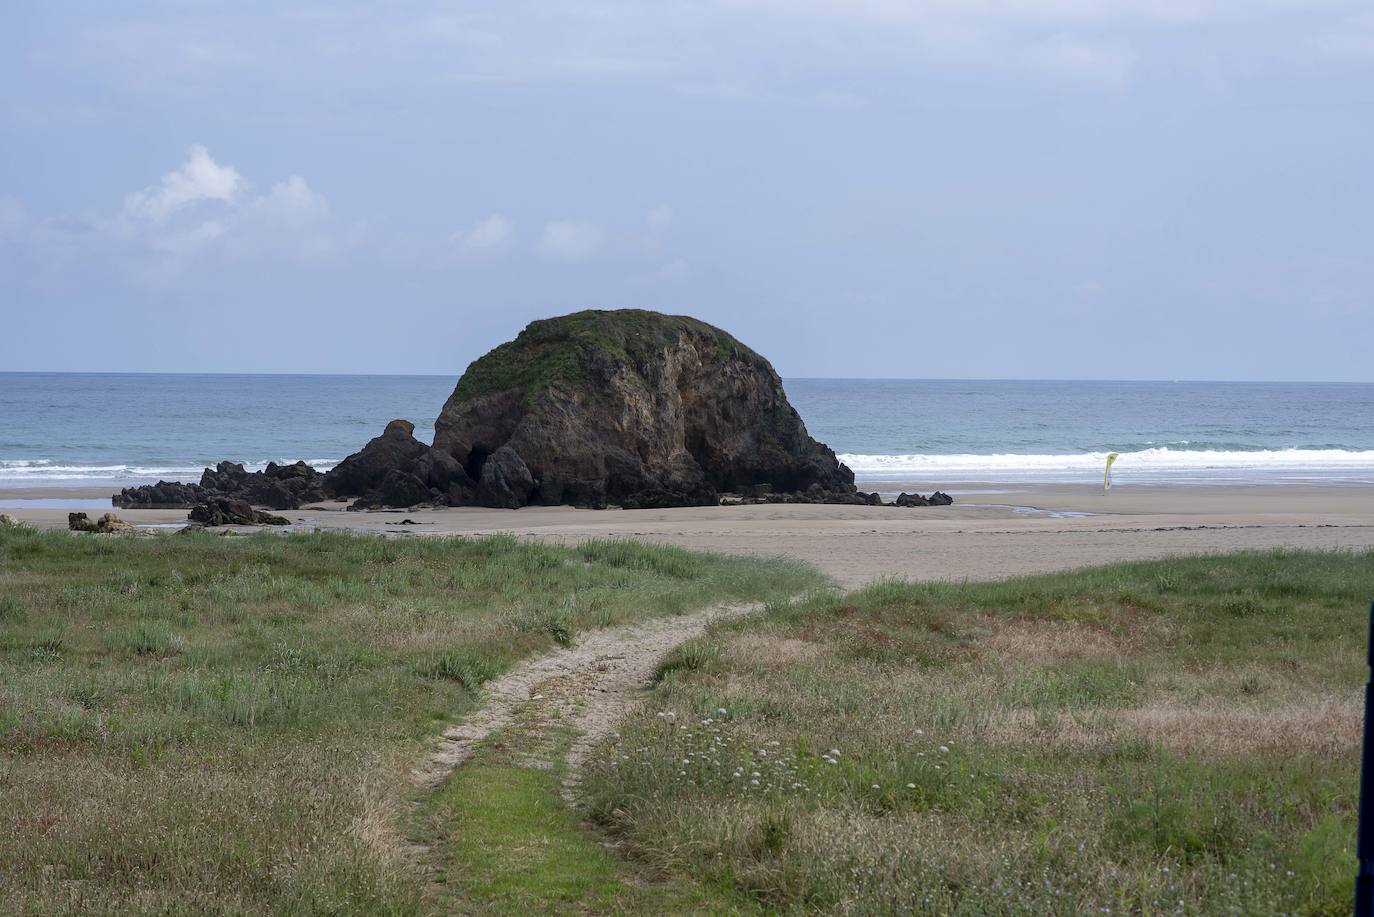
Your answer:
<point x="265" y="491"/>
<point x="632" y="408"/>
<point x="401" y="488"/>
<point x="935" y="499"/>
<point x="231" y="511"/>
<point x="162" y="495"/>
<point x="277" y="487"/>
<point x="363" y="471"/>
<point x="227" y="476"/>
<point x="441" y="471"/>
<point x="505" y="481"/>
<point x="291" y="471"/>
<point x="107" y="524"/>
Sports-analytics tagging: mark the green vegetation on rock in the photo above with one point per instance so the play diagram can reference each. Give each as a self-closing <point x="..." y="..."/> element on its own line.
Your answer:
<point x="573" y="351"/>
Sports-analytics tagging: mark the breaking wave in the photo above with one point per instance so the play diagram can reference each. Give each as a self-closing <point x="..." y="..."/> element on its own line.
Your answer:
<point x="1144" y="465"/>
<point x="47" y="471"/>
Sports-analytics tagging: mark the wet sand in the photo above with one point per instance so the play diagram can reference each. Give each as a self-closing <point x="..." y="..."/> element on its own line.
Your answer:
<point x="994" y="530"/>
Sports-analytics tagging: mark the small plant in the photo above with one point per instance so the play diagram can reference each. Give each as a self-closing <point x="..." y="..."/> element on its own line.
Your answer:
<point x="692" y="656"/>
<point x="12" y="611"/>
<point x="152" y="638"/>
<point x="465" y="665"/>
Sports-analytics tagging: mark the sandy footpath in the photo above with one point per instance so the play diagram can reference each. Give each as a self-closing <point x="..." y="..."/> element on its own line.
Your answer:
<point x="994" y="530"/>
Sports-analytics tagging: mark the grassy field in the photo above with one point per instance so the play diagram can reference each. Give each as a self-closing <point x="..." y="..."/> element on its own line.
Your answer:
<point x="202" y="724"/>
<point x="1179" y="736"/>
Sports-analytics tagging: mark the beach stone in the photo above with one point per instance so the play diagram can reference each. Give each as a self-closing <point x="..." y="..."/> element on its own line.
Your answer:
<point x="215" y="511"/>
<point x="107" y="524"/>
<point x="936" y="499"/>
<point x="110" y="523"/>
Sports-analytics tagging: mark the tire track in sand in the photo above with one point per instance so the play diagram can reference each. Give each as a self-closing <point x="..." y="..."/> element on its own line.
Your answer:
<point x="588" y="687"/>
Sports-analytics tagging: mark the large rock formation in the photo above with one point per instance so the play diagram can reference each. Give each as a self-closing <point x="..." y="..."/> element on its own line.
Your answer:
<point x="627" y="407"/>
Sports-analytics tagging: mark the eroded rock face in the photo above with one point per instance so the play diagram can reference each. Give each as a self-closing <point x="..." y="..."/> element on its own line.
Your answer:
<point x="632" y="408"/>
<point x="363" y="471"/>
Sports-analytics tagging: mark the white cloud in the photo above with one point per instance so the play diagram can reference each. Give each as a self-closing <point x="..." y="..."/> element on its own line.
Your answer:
<point x="495" y="233"/>
<point x="571" y="240"/>
<point x="200" y="178"/>
<point x="201" y="218"/>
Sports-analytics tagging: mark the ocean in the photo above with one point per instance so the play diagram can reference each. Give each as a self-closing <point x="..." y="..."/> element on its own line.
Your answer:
<point x="93" y="429"/>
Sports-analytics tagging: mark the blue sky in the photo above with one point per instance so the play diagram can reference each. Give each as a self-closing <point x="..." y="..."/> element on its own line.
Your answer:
<point x="929" y="188"/>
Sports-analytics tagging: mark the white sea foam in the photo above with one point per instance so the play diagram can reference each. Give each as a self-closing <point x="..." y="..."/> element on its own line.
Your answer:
<point x="1145" y="465"/>
<point x="46" y="471"/>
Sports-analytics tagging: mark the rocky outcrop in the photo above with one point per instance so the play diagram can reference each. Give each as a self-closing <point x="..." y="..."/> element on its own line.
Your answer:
<point x="600" y="408"/>
<point x="364" y="471"/>
<point x="108" y="524"/>
<point x="231" y="511"/>
<point x="276" y="486"/>
<point x="630" y="408"/>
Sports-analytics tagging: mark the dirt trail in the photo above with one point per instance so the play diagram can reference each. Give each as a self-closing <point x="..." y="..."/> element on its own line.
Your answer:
<point x="588" y="687"/>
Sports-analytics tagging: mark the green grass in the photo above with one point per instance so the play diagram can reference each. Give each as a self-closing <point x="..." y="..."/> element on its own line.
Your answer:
<point x="1174" y="736"/>
<point x="203" y="724"/>
<point x="501" y="834"/>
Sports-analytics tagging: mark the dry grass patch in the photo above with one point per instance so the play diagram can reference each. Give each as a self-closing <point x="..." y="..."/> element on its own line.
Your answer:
<point x="1175" y="736"/>
<point x="198" y="724"/>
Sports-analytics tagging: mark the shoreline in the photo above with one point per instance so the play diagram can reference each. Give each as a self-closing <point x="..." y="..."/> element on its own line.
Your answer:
<point x="1003" y="529"/>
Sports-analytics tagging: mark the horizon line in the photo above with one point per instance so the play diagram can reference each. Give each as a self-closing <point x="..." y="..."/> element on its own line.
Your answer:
<point x="413" y="375"/>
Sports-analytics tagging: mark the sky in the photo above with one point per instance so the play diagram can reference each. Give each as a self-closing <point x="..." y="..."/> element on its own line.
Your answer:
<point x="1119" y="189"/>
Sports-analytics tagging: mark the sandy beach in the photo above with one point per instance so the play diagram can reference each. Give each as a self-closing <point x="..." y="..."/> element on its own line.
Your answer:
<point x="994" y="530"/>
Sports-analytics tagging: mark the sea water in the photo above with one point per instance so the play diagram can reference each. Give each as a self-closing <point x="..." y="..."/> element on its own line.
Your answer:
<point x="89" y="429"/>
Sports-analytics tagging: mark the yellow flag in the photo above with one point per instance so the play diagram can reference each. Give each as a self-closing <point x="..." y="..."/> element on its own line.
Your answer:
<point x="1107" y="474"/>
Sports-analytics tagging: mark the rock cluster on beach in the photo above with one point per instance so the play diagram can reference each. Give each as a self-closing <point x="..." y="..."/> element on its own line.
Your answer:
<point x="276" y="487"/>
<point x="622" y="408"/>
<point x="108" y="524"/>
<point x="231" y="511"/>
<point x="939" y="498"/>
